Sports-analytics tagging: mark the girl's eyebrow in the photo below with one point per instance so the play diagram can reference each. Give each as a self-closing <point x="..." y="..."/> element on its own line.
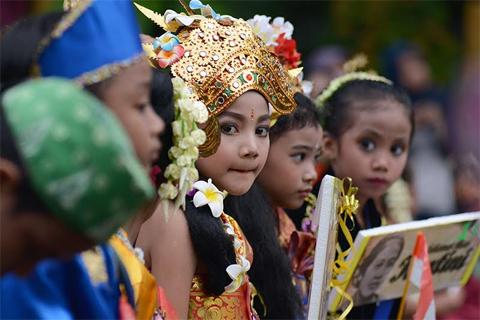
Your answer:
<point x="241" y="117"/>
<point x="265" y="117"/>
<point x="371" y="132"/>
<point x="302" y="147"/>
<point x="232" y="114"/>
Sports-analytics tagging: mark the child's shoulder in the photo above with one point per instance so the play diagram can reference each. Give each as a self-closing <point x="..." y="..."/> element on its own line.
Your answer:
<point x="164" y="220"/>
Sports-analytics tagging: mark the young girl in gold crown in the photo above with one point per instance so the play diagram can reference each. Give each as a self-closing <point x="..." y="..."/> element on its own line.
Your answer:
<point x="286" y="180"/>
<point x="368" y="125"/>
<point x="200" y="256"/>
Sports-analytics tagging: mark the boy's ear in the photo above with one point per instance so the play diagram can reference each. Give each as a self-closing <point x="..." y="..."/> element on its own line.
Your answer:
<point x="10" y="176"/>
<point x="329" y="146"/>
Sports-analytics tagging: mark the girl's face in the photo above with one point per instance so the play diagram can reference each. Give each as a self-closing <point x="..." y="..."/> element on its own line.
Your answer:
<point x="373" y="150"/>
<point x="244" y="145"/>
<point x="128" y="96"/>
<point x="290" y="169"/>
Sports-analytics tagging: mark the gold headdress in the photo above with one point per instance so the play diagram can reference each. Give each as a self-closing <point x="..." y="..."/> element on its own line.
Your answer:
<point x="277" y="35"/>
<point x="220" y="58"/>
<point x="350" y="67"/>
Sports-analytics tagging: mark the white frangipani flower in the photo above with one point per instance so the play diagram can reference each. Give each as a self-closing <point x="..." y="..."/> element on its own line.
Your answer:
<point x="261" y="27"/>
<point x="208" y="194"/>
<point x="231" y="233"/>
<point x="238" y="274"/>
<point x="281" y="26"/>
<point x="307" y="87"/>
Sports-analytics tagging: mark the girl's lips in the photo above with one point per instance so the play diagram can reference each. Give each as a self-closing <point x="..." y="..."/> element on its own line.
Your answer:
<point x="377" y="181"/>
<point x="304" y="193"/>
<point x="241" y="171"/>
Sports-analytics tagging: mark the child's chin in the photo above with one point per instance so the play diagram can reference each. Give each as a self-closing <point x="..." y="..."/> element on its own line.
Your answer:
<point x="294" y="205"/>
<point x="239" y="188"/>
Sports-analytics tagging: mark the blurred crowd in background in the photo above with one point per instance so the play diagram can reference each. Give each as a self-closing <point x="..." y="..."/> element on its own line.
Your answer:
<point x="430" y="48"/>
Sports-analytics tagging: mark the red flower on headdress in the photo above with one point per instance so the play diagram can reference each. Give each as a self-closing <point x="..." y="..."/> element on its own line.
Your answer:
<point x="167" y="58"/>
<point x="286" y="50"/>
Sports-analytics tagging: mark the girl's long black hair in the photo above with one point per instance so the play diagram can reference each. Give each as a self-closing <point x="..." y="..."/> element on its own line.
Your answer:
<point x="271" y="269"/>
<point x="19" y="43"/>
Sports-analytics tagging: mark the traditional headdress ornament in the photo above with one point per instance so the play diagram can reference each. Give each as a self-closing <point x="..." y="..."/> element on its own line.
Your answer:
<point x="350" y="67"/>
<point x="77" y="156"/>
<point x="70" y="4"/>
<point x="277" y="35"/>
<point x="220" y="58"/>
<point x="93" y="41"/>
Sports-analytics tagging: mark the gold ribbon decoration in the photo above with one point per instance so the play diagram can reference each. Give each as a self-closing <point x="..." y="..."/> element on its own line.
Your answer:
<point x="348" y="207"/>
<point x="255" y="293"/>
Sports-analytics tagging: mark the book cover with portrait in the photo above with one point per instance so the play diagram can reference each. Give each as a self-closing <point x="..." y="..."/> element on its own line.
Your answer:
<point x="380" y="263"/>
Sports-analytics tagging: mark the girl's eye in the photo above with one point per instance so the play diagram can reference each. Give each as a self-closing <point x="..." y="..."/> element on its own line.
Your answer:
<point x="398" y="150"/>
<point x="316" y="158"/>
<point x="262" y="131"/>
<point x="367" y="144"/>
<point x="298" y="156"/>
<point x="229" y="129"/>
<point x="142" y="107"/>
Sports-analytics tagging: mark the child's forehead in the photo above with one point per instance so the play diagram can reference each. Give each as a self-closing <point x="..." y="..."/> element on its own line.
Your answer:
<point x="309" y="136"/>
<point x="381" y="120"/>
<point x="371" y="106"/>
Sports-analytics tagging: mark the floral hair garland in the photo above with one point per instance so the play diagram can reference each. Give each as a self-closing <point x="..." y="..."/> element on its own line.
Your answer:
<point x="181" y="173"/>
<point x="208" y="194"/>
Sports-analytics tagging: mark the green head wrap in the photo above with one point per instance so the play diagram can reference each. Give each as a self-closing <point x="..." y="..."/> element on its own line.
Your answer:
<point x="77" y="156"/>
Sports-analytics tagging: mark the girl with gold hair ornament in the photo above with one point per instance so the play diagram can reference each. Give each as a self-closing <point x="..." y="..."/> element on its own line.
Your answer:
<point x="200" y="256"/>
<point x="285" y="181"/>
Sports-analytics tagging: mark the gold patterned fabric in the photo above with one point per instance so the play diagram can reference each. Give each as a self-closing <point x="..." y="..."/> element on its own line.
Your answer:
<point x="235" y="305"/>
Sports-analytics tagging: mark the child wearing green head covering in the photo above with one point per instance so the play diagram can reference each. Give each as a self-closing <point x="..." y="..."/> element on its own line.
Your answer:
<point x="69" y="174"/>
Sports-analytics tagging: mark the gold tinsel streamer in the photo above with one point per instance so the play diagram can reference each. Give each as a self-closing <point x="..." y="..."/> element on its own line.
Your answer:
<point x="348" y="207"/>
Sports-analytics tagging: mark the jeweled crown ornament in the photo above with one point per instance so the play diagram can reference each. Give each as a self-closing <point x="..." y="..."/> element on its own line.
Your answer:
<point x="220" y="58"/>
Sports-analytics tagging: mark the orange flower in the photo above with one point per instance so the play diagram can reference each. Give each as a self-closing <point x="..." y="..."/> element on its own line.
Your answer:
<point x="167" y="58"/>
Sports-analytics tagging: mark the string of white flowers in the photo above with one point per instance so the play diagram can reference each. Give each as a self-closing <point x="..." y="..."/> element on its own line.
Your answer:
<point x="208" y="194"/>
<point x="181" y="173"/>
